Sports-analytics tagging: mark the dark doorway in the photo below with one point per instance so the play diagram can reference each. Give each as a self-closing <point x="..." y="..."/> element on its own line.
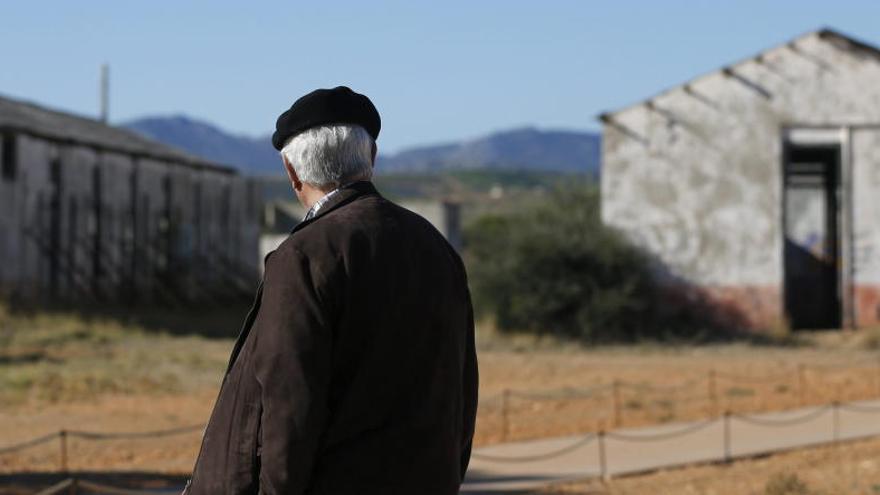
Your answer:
<point x="812" y="240"/>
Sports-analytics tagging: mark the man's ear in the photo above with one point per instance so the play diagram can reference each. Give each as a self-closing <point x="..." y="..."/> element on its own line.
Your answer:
<point x="374" y="150"/>
<point x="291" y="173"/>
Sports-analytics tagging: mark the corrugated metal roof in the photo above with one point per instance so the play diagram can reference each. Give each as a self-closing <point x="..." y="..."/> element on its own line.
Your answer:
<point x="38" y="121"/>
<point x="826" y="34"/>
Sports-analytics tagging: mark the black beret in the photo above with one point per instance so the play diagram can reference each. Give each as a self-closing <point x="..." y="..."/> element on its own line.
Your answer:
<point x="339" y="105"/>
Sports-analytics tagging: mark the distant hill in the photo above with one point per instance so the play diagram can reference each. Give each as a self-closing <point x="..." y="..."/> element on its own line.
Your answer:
<point x="254" y="156"/>
<point x="526" y="149"/>
<point x="518" y="149"/>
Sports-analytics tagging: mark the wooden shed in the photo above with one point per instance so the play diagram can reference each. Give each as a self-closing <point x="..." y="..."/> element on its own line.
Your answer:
<point x="91" y="212"/>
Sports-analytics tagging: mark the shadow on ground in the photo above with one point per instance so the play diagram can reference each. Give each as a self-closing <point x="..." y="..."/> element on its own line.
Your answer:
<point x="30" y="483"/>
<point x="476" y="483"/>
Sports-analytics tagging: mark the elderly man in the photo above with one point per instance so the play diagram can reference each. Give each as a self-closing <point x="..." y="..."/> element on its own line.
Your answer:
<point x="355" y="371"/>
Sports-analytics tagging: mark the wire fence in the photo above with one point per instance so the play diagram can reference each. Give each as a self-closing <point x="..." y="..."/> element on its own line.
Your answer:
<point x="624" y="403"/>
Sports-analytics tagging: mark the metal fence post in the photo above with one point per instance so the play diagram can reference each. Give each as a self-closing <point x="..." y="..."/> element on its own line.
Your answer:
<point x="618" y="419"/>
<point x="505" y="421"/>
<point x="835" y="421"/>
<point x="802" y="383"/>
<point x="62" y="435"/>
<point x="727" y="453"/>
<point x="713" y="394"/>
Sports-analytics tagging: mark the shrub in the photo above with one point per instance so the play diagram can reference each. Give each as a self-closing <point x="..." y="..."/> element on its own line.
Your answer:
<point x="554" y="267"/>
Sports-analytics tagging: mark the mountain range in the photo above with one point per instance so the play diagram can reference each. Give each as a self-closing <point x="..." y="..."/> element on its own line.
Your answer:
<point x="517" y="149"/>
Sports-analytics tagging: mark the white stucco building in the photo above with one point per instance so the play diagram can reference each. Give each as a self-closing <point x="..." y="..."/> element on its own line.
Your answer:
<point x="758" y="185"/>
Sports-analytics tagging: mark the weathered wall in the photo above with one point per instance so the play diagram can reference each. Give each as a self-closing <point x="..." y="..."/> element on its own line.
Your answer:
<point x="19" y="201"/>
<point x="127" y="228"/>
<point x="866" y="225"/>
<point x="696" y="176"/>
<point x="116" y="177"/>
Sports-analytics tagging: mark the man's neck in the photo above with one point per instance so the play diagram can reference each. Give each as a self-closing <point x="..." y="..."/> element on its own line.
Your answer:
<point x="311" y="194"/>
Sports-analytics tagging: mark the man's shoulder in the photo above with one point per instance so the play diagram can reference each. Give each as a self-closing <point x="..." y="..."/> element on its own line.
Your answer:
<point x="383" y="217"/>
<point x="370" y="213"/>
<point x="369" y="217"/>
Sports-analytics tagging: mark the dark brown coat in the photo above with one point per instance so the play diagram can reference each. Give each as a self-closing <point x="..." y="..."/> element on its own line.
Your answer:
<point x="355" y="371"/>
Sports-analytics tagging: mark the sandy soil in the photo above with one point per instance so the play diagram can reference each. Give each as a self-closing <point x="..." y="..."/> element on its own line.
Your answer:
<point x="111" y="414"/>
<point x="557" y="392"/>
<point x="554" y="393"/>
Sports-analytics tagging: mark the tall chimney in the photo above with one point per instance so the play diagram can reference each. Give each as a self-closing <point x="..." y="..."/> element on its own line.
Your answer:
<point x="105" y="93"/>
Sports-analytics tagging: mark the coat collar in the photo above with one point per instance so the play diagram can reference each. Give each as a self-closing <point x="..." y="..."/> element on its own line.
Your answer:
<point x="345" y="195"/>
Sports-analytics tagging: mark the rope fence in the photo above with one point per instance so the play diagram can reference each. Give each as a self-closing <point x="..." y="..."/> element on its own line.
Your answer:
<point x="726" y="441"/>
<point x="566" y="393"/>
<point x="29" y="443"/>
<point x="809" y="416"/>
<point x="659" y="437"/>
<point x="62" y="437"/>
<point x="89" y="435"/>
<point x="802" y="383"/>
<point x="586" y="439"/>
<point x="705" y="388"/>
<point x="73" y="486"/>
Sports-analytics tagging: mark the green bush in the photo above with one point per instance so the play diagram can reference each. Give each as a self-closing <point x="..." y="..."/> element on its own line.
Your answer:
<point x="553" y="267"/>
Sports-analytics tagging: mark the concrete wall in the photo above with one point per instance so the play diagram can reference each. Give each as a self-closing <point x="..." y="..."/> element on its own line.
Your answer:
<point x="445" y="216"/>
<point x="696" y="175"/>
<point x="866" y="225"/>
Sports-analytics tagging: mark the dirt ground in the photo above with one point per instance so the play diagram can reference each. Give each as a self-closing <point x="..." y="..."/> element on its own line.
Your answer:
<point x="564" y="390"/>
<point x="104" y="377"/>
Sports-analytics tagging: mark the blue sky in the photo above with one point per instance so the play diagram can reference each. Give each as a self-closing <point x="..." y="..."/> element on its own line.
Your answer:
<point x="437" y="71"/>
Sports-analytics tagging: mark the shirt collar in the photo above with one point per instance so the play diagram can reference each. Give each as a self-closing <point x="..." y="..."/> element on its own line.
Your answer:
<point x="321" y="202"/>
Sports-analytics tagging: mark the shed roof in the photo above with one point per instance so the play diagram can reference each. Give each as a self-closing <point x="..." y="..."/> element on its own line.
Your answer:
<point x="35" y="120"/>
<point x="827" y="34"/>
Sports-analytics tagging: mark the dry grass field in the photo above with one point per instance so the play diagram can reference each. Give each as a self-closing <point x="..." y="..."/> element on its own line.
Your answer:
<point x="557" y="389"/>
<point x="63" y="371"/>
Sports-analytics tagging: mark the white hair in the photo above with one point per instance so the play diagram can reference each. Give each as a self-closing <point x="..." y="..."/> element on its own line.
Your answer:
<point x="331" y="155"/>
